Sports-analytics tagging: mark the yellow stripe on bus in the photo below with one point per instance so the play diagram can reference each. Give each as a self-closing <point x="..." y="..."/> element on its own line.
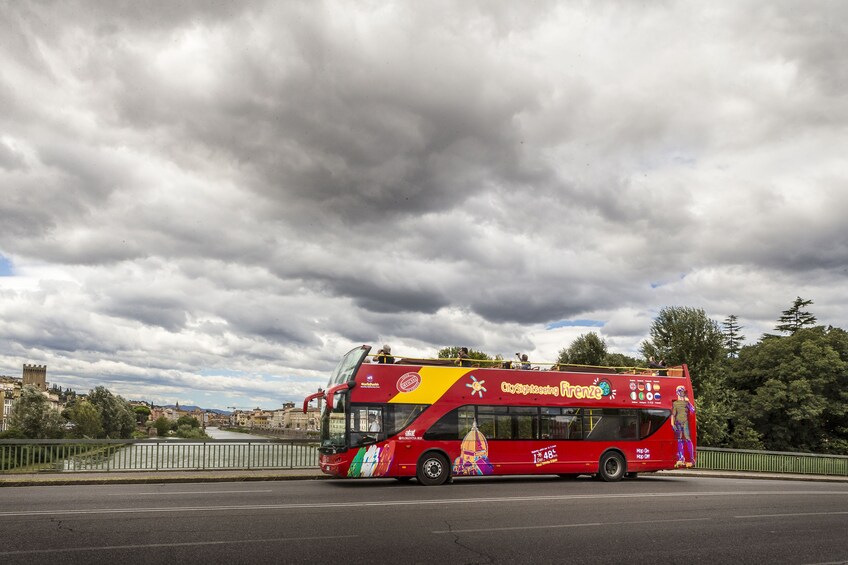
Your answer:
<point x="435" y="382"/>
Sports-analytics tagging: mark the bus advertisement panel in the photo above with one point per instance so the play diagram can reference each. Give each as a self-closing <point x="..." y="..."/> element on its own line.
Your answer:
<point x="431" y="420"/>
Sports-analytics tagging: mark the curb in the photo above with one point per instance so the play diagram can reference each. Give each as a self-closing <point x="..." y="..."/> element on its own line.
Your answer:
<point x="169" y="477"/>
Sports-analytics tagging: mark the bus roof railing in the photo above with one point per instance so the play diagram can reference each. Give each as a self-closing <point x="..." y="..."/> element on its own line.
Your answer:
<point x="674" y="371"/>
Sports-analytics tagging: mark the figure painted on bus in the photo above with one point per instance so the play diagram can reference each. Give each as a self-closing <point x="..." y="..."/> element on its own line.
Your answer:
<point x="474" y="454"/>
<point x="384" y="355"/>
<point x="680" y="410"/>
<point x="373" y="423"/>
<point x="523" y="364"/>
<point x="462" y="358"/>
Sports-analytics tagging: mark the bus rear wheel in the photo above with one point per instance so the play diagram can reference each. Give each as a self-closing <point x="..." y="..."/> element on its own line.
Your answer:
<point x="432" y="469"/>
<point x="612" y="466"/>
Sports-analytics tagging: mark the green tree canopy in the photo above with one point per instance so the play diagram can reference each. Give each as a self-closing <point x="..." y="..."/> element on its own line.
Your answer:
<point x="686" y="335"/>
<point x="33" y="416"/>
<point x="453" y="353"/>
<point x="116" y="413"/>
<point x="162" y="425"/>
<point x="586" y="349"/>
<point x="796" y="390"/>
<point x="86" y="419"/>
<point x="733" y="337"/>
<point x="142" y="414"/>
<point x="795" y="317"/>
<point x="189" y="421"/>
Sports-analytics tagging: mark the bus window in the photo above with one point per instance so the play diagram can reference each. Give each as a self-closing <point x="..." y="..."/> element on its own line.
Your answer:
<point x="651" y="420"/>
<point x="572" y="423"/>
<point x="524" y="421"/>
<point x="465" y="421"/>
<point x="445" y="428"/>
<point x="486" y="423"/>
<point x="503" y="426"/>
<point x="601" y="424"/>
<point x="400" y="416"/>
<point x="366" y="425"/>
<point x="629" y="422"/>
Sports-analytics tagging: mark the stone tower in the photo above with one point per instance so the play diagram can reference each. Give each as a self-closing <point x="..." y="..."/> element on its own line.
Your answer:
<point x="35" y="375"/>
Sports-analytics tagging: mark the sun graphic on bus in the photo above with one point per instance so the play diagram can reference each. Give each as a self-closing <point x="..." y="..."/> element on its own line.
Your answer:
<point x="606" y="387"/>
<point x="476" y="386"/>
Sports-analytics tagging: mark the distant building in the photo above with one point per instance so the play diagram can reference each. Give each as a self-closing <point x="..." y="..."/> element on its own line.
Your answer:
<point x="10" y="390"/>
<point x="35" y="375"/>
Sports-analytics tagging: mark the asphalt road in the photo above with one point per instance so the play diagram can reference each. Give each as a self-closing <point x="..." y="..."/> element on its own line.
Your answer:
<point x="493" y="520"/>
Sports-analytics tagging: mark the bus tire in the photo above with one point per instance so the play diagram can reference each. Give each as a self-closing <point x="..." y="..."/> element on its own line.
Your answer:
<point x="612" y="466"/>
<point x="432" y="469"/>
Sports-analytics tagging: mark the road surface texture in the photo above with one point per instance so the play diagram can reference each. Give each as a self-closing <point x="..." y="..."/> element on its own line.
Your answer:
<point x="653" y="519"/>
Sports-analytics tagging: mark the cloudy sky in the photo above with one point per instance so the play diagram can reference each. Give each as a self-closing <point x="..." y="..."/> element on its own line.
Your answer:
<point x="211" y="202"/>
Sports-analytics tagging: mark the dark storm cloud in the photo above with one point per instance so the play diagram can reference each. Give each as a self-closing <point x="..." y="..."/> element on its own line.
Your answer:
<point x="234" y="191"/>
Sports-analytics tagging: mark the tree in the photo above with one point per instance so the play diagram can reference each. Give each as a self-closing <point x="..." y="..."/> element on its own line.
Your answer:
<point x="453" y="353"/>
<point x="189" y="421"/>
<point x="685" y="335"/>
<point x="116" y="413"/>
<point x="33" y="416"/>
<point x="587" y="349"/>
<point x="795" y="317"/>
<point x="621" y="360"/>
<point x="732" y="336"/>
<point x="795" y="390"/>
<point x="162" y="425"/>
<point x="86" y="419"/>
<point x="142" y="414"/>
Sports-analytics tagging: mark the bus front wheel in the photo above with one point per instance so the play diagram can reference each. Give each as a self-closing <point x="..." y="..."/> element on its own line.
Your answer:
<point x="433" y="469"/>
<point x="612" y="466"/>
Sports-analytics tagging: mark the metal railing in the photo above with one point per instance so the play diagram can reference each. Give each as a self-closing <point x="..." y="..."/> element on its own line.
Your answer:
<point x="717" y="459"/>
<point x="27" y="456"/>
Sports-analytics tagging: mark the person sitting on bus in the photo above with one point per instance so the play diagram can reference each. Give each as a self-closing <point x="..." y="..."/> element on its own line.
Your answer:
<point x="384" y="355"/>
<point x="524" y="364"/>
<point x="463" y="359"/>
<point x="373" y="423"/>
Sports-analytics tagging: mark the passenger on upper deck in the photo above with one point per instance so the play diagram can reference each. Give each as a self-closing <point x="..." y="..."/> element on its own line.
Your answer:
<point x="463" y="359"/>
<point x="660" y="365"/>
<point x="524" y="364"/>
<point x="384" y="355"/>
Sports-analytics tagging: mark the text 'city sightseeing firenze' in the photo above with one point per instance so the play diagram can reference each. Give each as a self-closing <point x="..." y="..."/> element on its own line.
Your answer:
<point x="565" y="389"/>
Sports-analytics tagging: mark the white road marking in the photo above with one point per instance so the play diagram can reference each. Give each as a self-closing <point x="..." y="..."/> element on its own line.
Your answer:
<point x="555" y="526"/>
<point x="169" y="493"/>
<point x="795" y="514"/>
<point x="389" y="503"/>
<point x="155" y="545"/>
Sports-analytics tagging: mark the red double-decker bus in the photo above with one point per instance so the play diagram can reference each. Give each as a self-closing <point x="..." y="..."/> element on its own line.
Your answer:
<point x="432" y="420"/>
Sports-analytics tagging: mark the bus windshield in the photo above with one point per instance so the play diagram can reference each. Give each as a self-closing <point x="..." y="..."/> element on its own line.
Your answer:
<point x="346" y="368"/>
<point x="333" y="419"/>
<point x="333" y="423"/>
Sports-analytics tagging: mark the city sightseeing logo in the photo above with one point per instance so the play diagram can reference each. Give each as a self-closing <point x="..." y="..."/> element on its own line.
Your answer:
<point x="476" y="386"/>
